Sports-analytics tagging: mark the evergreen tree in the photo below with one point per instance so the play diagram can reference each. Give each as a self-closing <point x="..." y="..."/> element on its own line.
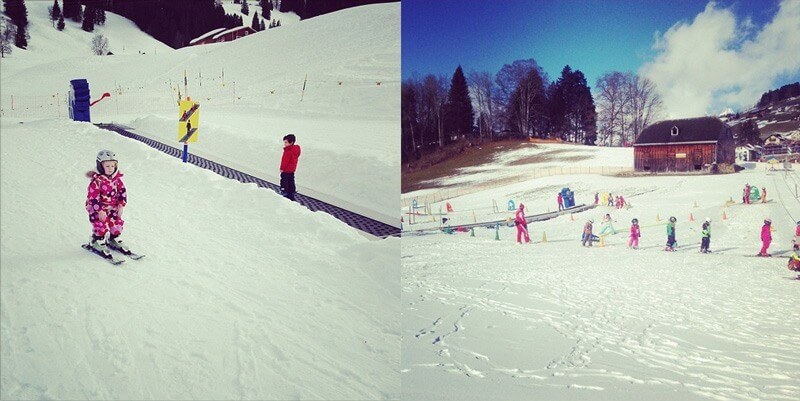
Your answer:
<point x="459" y="114"/>
<point x="749" y="134"/>
<point x="88" y="19"/>
<point x="78" y="17"/>
<point x="245" y="8"/>
<point x="262" y="27"/>
<point x="255" y="25"/>
<point x="68" y="10"/>
<point x="60" y="25"/>
<point x="99" y="16"/>
<point x="18" y="13"/>
<point x="55" y="12"/>
<point x="267" y="12"/>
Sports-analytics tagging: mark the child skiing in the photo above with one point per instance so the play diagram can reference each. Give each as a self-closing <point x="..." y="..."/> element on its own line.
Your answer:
<point x="607" y="228"/>
<point x="105" y="200"/>
<point x="705" y="242"/>
<point x="671" y="235"/>
<point x="522" y="225"/>
<point x="763" y="194"/>
<point x="794" y="259"/>
<point x="587" y="234"/>
<point x="766" y="237"/>
<point x="633" y="241"/>
<point x="560" y="200"/>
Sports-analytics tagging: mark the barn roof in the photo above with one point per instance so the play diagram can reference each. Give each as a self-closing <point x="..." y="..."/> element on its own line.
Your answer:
<point x="238" y="28"/>
<point x="688" y="130"/>
<point x="206" y="35"/>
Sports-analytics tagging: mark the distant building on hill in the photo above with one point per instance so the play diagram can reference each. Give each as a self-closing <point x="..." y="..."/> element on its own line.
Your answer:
<point x="222" y="35"/>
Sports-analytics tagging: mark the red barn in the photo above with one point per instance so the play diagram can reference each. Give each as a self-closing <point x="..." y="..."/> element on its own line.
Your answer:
<point x="684" y="145"/>
<point x="205" y="38"/>
<point x="233" y="34"/>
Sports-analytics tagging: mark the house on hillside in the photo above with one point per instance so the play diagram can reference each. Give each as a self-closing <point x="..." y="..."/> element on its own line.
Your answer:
<point x="684" y="145"/>
<point x="233" y="34"/>
<point x="205" y="38"/>
<point x="222" y="35"/>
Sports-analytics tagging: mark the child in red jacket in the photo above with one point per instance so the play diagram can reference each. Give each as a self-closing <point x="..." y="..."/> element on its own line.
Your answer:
<point x="766" y="237"/>
<point x="291" y="153"/>
<point x="106" y="198"/>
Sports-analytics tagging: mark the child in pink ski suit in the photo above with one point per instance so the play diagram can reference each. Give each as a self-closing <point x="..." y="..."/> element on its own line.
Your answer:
<point x="106" y="197"/>
<point x="522" y="225"/>
<point x="766" y="237"/>
<point x="633" y="241"/>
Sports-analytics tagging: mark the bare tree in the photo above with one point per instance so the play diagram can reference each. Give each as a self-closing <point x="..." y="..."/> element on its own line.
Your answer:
<point x="484" y="91"/>
<point x="434" y="97"/>
<point x="627" y="104"/>
<point x="522" y="91"/>
<point x="100" y="45"/>
<point x="644" y="105"/>
<point x="611" y="100"/>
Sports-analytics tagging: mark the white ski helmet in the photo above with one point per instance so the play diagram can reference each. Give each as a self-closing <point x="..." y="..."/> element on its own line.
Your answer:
<point x="102" y="156"/>
<point x="708" y="219"/>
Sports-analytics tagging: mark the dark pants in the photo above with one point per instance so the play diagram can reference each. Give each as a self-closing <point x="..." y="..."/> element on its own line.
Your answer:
<point x="671" y="241"/>
<point x="705" y="243"/>
<point x="287" y="185"/>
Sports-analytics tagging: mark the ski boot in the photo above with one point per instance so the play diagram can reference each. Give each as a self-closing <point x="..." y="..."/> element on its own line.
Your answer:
<point x="116" y="244"/>
<point x="99" y="246"/>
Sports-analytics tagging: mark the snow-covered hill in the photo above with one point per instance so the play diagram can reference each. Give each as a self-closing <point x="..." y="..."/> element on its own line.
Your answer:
<point x="47" y="44"/>
<point x="334" y="81"/>
<point x="483" y="317"/>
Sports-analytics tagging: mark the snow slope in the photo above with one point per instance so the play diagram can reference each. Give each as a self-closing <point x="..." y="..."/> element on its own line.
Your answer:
<point x="242" y="294"/>
<point x="251" y="95"/>
<point x="554" y="320"/>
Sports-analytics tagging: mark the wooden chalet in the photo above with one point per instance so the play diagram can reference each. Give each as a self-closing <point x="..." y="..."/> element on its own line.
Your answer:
<point x="684" y="145"/>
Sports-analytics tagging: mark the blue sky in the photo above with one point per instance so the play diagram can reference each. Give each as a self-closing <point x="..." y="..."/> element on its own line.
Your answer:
<point x="592" y="36"/>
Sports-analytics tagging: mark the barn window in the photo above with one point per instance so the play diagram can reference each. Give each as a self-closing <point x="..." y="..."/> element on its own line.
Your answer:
<point x="674" y="131"/>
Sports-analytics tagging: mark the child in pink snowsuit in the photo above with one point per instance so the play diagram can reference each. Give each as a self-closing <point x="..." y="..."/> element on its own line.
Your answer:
<point x="522" y="225"/>
<point x="766" y="237"/>
<point x="106" y="197"/>
<point x="633" y="241"/>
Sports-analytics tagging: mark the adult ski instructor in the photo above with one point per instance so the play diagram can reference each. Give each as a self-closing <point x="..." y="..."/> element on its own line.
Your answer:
<point x="291" y="153"/>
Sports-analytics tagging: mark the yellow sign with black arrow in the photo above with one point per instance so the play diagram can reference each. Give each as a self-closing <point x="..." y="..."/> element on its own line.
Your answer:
<point x="188" y="121"/>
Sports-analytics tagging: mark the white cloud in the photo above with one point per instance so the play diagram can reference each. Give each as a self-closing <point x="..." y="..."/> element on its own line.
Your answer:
<point x="715" y="61"/>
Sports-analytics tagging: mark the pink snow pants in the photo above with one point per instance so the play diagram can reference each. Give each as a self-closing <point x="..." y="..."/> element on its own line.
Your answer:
<point x="764" y="246"/>
<point x="522" y="231"/>
<point x="633" y="241"/>
<point x="113" y="223"/>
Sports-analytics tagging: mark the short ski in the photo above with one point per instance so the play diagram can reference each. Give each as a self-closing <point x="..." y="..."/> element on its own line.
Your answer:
<point x="108" y="258"/>
<point x="132" y="255"/>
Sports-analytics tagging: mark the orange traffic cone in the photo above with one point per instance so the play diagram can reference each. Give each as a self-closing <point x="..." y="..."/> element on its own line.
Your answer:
<point x="691" y="217"/>
<point x="571" y="217"/>
<point x="602" y="241"/>
<point x="544" y="237"/>
<point x="724" y="216"/>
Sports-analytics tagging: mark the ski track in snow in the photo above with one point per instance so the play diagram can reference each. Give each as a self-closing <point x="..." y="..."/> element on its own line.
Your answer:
<point x="552" y="319"/>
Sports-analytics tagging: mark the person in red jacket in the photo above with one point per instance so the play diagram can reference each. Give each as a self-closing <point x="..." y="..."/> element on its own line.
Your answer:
<point x="560" y="200"/>
<point x="105" y="199"/>
<point x="766" y="237"/>
<point x="291" y="153"/>
<point x="522" y="225"/>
